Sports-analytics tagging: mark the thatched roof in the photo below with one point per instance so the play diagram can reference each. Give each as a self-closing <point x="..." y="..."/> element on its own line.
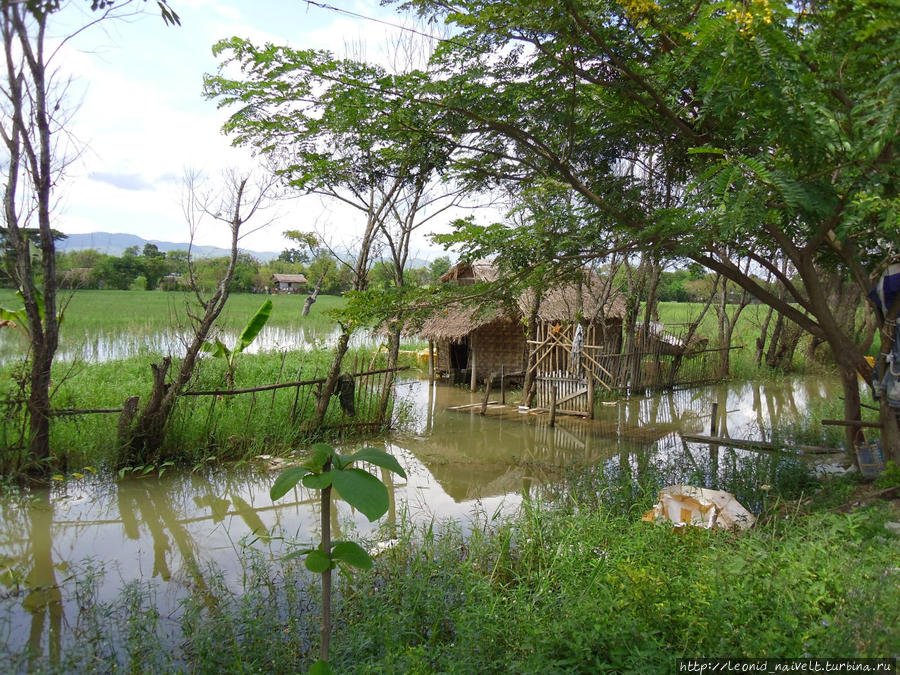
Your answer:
<point x="455" y="321"/>
<point x="480" y="270"/>
<point x="558" y="304"/>
<point x="289" y="278"/>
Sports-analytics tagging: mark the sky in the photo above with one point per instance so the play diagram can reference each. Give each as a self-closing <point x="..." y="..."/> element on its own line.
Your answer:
<point x="141" y="120"/>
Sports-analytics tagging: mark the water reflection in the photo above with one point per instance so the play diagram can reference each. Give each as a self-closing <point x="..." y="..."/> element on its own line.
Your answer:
<point x="97" y="346"/>
<point x="166" y="530"/>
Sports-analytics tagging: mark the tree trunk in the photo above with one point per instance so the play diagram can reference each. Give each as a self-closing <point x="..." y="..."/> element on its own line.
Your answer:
<point x="331" y="379"/>
<point x="888" y="416"/>
<point x="149" y="430"/>
<point x="388" y="384"/>
<point x="850" y="385"/>
<point x="771" y="352"/>
<point x="763" y="335"/>
<point x="787" y="346"/>
<point x="530" y="334"/>
<point x="312" y="298"/>
<point x="28" y="144"/>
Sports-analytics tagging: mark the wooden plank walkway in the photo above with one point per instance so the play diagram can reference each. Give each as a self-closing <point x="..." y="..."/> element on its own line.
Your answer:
<point x="760" y="446"/>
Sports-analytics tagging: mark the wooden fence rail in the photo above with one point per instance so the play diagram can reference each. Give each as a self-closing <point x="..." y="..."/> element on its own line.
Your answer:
<point x="286" y="385"/>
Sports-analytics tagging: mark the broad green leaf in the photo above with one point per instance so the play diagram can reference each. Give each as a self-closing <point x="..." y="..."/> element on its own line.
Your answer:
<point x="378" y="458"/>
<point x="256" y="323"/>
<point x="297" y="553"/>
<point x="16" y="315"/>
<point x="352" y="554"/>
<point x="286" y="480"/>
<point x="362" y="491"/>
<point x="318" y="457"/>
<point x="319" y="481"/>
<point x="317" y="562"/>
<point x="217" y="348"/>
<point x="320" y="667"/>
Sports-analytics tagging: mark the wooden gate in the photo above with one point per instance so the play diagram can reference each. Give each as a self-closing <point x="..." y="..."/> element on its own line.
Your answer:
<point x="558" y="363"/>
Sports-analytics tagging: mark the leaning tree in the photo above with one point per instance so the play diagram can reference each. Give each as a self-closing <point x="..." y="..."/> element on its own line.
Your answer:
<point x="339" y="128"/>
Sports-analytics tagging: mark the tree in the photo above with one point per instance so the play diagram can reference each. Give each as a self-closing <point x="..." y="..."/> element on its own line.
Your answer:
<point x="774" y="124"/>
<point x="341" y="129"/>
<point x="236" y="202"/>
<point x="34" y="112"/>
<point x="438" y="268"/>
<point x="152" y="251"/>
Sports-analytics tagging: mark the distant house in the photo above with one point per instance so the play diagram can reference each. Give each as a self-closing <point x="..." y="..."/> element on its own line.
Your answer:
<point x="288" y="283"/>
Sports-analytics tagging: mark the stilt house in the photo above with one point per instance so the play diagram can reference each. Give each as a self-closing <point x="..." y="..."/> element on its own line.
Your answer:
<point x="476" y="342"/>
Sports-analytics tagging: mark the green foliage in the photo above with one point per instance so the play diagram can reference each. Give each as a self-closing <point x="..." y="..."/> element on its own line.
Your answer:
<point x="889" y="477"/>
<point x="218" y="349"/>
<point x="357" y="487"/>
<point x="323" y="469"/>
<point x="574" y="583"/>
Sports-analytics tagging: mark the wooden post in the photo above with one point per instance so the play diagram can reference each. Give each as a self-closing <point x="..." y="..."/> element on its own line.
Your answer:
<point x="472" y="363"/>
<point x="431" y="362"/>
<point x="553" y="406"/>
<point x="502" y="386"/>
<point x="590" y="394"/>
<point x="487" y="393"/>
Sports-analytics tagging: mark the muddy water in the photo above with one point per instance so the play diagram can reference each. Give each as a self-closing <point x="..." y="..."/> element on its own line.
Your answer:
<point x="166" y="529"/>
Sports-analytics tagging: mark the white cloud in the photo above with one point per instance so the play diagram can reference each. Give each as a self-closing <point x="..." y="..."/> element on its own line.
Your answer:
<point x="143" y="118"/>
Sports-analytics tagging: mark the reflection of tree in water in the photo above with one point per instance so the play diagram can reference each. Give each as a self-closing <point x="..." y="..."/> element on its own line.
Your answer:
<point x="140" y="503"/>
<point x="44" y="599"/>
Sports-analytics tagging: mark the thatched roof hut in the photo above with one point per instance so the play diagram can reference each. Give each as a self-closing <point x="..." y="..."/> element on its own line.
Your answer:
<point x="482" y="339"/>
<point x="466" y="274"/>
<point x="289" y="283"/>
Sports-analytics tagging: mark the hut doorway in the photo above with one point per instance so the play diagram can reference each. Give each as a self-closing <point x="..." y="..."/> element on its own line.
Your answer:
<point x="459" y="354"/>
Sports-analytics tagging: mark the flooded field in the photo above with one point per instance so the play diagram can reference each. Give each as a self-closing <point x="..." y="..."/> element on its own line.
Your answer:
<point x="166" y="530"/>
<point x="97" y="346"/>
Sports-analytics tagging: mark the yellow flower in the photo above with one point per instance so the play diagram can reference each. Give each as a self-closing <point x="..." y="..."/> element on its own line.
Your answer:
<point x="57" y="477"/>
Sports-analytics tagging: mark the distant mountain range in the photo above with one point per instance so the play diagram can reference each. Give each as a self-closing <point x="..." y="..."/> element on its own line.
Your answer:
<point x="115" y="244"/>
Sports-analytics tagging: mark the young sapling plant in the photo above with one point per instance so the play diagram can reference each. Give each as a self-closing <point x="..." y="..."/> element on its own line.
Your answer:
<point x="323" y="470"/>
<point x="218" y="349"/>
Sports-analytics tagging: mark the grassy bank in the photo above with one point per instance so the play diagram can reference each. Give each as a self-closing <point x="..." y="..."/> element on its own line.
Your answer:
<point x="574" y="583"/>
<point x="202" y="429"/>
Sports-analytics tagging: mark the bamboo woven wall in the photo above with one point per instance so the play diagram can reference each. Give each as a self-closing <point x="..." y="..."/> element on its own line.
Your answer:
<point x="501" y="343"/>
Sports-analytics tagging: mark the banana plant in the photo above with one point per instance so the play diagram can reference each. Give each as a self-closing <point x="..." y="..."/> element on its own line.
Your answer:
<point x="219" y="350"/>
<point x="323" y="470"/>
<point x="18" y="318"/>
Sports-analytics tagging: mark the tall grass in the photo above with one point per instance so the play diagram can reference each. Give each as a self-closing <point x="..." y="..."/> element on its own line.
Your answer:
<point x="202" y="428"/>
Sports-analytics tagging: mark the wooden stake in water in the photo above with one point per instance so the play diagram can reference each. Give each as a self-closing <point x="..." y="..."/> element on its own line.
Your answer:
<point x="473" y="366"/>
<point x="590" y="394"/>
<point x="487" y="394"/>
<point x="431" y="362"/>
<point x="553" y="406"/>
